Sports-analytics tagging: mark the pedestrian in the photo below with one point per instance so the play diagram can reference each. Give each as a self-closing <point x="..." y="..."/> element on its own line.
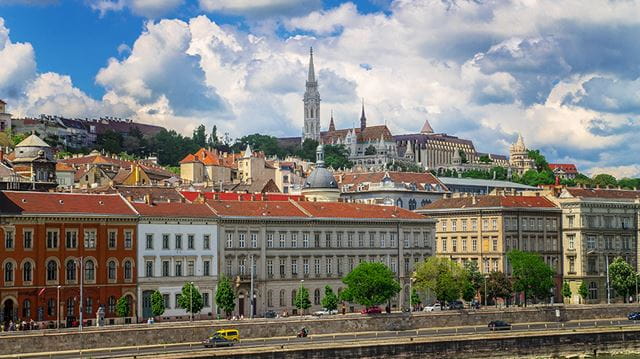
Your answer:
<point x="344" y="309"/>
<point x="12" y="326"/>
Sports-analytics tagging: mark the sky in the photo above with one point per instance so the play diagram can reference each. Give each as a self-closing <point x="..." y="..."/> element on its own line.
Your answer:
<point x="564" y="74"/>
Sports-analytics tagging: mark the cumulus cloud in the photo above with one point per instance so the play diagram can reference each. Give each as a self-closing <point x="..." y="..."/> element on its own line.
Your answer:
<point x="146" y="8"/>
<point x="260" y="8"/>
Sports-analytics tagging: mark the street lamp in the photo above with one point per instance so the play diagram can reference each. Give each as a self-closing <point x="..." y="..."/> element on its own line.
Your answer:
<point x="300" y="296"/>
<point x="191" y="302"/>
<point x="411" y="279"/>
<point x="58" y="310"/>
<point x="485" y="290"/>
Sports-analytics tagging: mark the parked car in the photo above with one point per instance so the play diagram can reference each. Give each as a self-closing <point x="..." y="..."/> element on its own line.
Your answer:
<point x="322" y="312"/>
<point x="455" y="305"/>
<point x="432" y="307"/>
<point x="229" y="334"/>
<point x="371" y="310"/>
<point x="217" y="340"/>
<point x="634" y="316"/>
<point x="270" y="314"/>
<point x="499" y="325"/>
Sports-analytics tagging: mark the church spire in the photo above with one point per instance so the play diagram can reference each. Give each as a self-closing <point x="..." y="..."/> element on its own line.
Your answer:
<point x="311" y="128"/>
<point x="312" y="70"/>
<point x="332" y="126"/>
<point x="363" y="118"/>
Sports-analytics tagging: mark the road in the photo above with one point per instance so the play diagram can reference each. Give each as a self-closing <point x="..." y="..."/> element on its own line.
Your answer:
<point x="322" y="338"/>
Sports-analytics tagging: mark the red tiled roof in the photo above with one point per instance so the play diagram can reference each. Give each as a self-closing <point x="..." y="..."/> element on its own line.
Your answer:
<point x="565" y="167"/>
<point x="356" y="210"/>
<point x="603" y="193"/>
<point x="63" y="167"/>
<point x="209" y="158"/>
<point x="370" y="134"/>
<point x="191" y="210"/>
<point x="255" y="209"/>
<point x="365" y="178"/>
<point x="491" y="201"/>
<point x="235" y="196"/>
<point x="63" y="203"/>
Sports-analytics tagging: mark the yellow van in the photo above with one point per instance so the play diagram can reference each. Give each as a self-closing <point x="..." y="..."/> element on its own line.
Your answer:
<point x="229" y="334"/>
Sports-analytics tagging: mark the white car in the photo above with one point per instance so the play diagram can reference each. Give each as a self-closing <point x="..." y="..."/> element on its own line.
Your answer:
<point x="432" y="307"/>
<point x="325" y="312"/>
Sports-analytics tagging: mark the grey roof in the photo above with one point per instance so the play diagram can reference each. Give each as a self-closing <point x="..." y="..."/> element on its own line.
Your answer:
<point x="32" y="141"/>
<point x="320" y="178"/>
<point x="454" y="181"/>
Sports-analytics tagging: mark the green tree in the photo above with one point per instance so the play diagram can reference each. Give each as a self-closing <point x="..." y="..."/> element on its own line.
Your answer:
<point x="415" y="297"/>
<point x="498" y="286"/>
<point x="463" y="156"/>
<point x="213" y="140"/>
<point x="336" y="156"/>
<point x="264" y="143"/>
<point x="622" y="277"/>
<point x="468" y="291"/>
<point x="199" y="136"/>
<point x="190" y="299"/>
<point x="531" y="275"/>
<point x="110" y="141"/>
<point x="540" y="161"/>
<point x="583" y="180"/>
<point x="604" y="180"/>
<point x="225" y="296"/>
<point x="302" y="301"/>
<point x="171" y="147"/>
<point x="566" y="290"/>
<point x="445" y="278"/>
<point x="583" y="291"/>
<point x="370" y="284"/>
<point x="371" y="150"/>
<point x="157" y="304"/>
<point x="123" y="307"/>
<point x="404" y="166"/>
<point x="629" y="183"/>
<point x="308" y="150"/>
<point x="485" y="159"/>
<point x="473" y="274"/>
<point x="330" y="300"/>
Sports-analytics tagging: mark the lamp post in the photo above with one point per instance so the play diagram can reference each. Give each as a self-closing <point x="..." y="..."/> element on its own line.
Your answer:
<point x="251" y="294"/>
<point x="58" y="310"/>
<point x="485" y="290"/>
<point x="81" y="293"/>
<point x="636" y="286"/>
<point x="300" y="296"/>
<point x="191" y="302"/>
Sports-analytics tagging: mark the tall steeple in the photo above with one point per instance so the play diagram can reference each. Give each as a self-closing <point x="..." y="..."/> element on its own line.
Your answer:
<point x="311" y="129"/>
<point x="332" y="126"/>
<point x="363" y="118"/>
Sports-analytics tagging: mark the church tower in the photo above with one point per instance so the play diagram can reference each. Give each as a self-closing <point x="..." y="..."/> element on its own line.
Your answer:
<point x="311" y="101"/>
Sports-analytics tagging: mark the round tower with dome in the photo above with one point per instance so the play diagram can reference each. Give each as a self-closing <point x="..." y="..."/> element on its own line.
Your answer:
<point x="321" y="186"/>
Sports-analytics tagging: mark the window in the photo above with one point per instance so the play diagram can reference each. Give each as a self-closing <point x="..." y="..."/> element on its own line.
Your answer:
<point x="89" y="306"/>
<point x="485" y="224"/>
<point x="127" y="270"/>
<point x="205" y="299"/>
<point x="52" y="270"/>
<point x="305" y="240"/>
<point x="190" y="268"/>
<point x="71" y="306"/>
<point x="178" y="272"/>
<point x="316" y="240"/>
<point x="294" y="267"/>
<point x="165" y="241"/>
<point x="52" y="239"/>
<point x="407" y="263"/>
<point x="454" y="244"/>
<point x="350" y="263"/>
<point x="474" y="244"/>
<point x="241" y="240"/>
<point x="360" y="240"/>
<point x="608" y="242"/>
<point x="571" y="238"/>
<point x="177" y="300"/>
<point x="293" y="298"/>
<point x="27" y="272"/>
<point x="206" y="268"/>
<point x="206" y="241"/>
<point x="165" y="268"/>
<point x="444" y="244"/>
<point x="495" y="265"/>
<point x="372" y="239"/>
<point x="327" y="240"/>
<point x="572" y="264"/>
<point x="148" y="270"/>
<point x="444" y="225"/>
<point x="454" y="225"/>
<point x="392" y="240"/>
<point x="339" y="239"/>
<point x="111" y="270"/>
<point x="570" y="221"/>
<point x="51" y="307"/>
<point x="71" y="270"/>
<point x="282" y="267"/>
<point x="394" y="267"/>
<point x="269" y="240"/>
<point x="625" y="243"/>
<point x="486" y="266"/>
<point x="228" y="267"/>
<point x="464" y="225"/>
<point x="294" y="240"/>
<point x="591" y="242"/>
<point x="463" y="240"/>
<point x="178" y="239"/>
<point x="270" y="267"/>
<point x="149" y="241"/>
<point x="316" y="297"/>
<point x="27" y="238"/>
<point x="167" y="301"/>
<point x="592" y="264"/>
<point x="316" y="266"/>
<point x="329" y="261"/>
<point x="254" y="240"/>
<point x="8" y="240"/>
<point x="72" y="239"/>
<point x="89" y="270"/>
<point x="305" y="266"/>
<point x="229" y="240"/>
<point x="270" y="298"/>
<point x="383" y="237"/>
<point x="26" y="309"/>
<point x="474" y="224"/>
<point x="494" y="245"/>
<point x="593" y="290"/>
<point x="282" y="240"/>
<point x="111" y="304"/>
<point x="349" y="240"/>
<point x="128" y="238"/>
<point x="190" y="241"/>
<point x="8" y="272"/>
<point x="112" y="239"/>
<point x="406" y="240"/>
<point x="90" y="239"/>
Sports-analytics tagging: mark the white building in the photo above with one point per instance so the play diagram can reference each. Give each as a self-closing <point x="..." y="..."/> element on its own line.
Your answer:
<point x="177" y="244"/>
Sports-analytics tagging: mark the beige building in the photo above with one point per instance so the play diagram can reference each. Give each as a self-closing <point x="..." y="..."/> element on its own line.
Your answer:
<point x="5" y="118"/>
<point x="484" y="229"/>
<point x="598" y="225"/>
<point x="208" y="167"/>
<point x="519" y="159"/>
<point x="253" y="167"/>
<point x="313" y="244"/>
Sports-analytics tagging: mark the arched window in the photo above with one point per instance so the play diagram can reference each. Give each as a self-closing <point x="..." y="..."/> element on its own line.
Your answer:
<point x="111" y="304"/>
<point x="52" y="270"/>
<point x="70" y="307"/>
<point x="593" y="290"/>
<point x="127" y="270"/>
<point x="89" y="270"/>
<point x="399" y="202"/>
<point x="26" y="309"/>
<point x="316" y="296"/>
<point x="282" y="297"/>
<point x="51" y="307"/>
<point x="412" y="204"/>
<point x="112" y="270"/>
<point x="27" y="272"/>
<point x="8" y="272"/>
<point x="269" y="298"/>
<point x="71" y="270"/>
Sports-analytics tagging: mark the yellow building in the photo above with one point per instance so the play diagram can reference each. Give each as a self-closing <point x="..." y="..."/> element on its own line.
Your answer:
<point x="484" y="229"/>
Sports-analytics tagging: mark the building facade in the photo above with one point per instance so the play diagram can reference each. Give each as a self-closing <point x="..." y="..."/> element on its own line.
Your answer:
<point x="5" y="118"/>
<point x="483" y="229"/>
<point x="177" y="244"/>
<point x="51" y="242"/>
<point x="313" y="244"/>
<point x="598" y="226"/>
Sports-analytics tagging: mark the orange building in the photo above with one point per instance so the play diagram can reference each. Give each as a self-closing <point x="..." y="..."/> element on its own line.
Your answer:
<point x="45" y="236"/>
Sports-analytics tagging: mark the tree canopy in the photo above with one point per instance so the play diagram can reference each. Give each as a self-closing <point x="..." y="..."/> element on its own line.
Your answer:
<point x="225" y="296"/>
<point x="445" y="278"/>
<point x="531" y="275"/>
<point x="370" y="284"/>
<point x="498" y="286"/>
<point x="336" y="156"/>
<point x="330" y="300"/>
<point x="190" y="299"/>
<point x="622" y="277"/>
<point x="302" y="301"/>
<point x="123" y="307"/>
<point x="157" y="304"/>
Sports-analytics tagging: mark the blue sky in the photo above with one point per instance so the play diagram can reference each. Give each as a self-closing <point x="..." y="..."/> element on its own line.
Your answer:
<point x="564" y="74"/>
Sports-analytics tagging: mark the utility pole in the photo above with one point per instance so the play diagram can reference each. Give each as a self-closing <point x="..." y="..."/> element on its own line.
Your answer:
<point x="81" y="294"/>
<point x="410" y="295"/>
<point x="485" y="290"/>
<point x="251" y="293"/>
<point x="608" y="289"/>
<point x="636" y="275"/>
<point x="58" y="310"/>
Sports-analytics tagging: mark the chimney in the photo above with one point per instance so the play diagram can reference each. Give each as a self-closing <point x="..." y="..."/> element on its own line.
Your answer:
<point x="147" y="198"/>
<point x="473" y="200"/>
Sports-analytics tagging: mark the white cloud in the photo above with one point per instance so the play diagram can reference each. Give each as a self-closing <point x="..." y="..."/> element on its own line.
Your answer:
<point x="17" y="65"/>
<point x="259" y="7"/>
<point x="146" y="8"/>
